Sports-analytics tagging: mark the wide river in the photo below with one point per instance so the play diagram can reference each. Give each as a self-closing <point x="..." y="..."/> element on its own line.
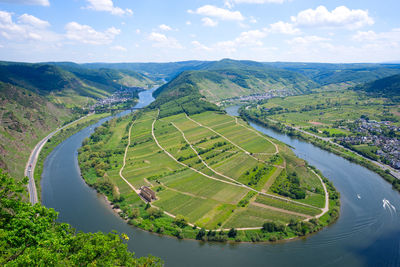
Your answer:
<point x="366" y="234"/>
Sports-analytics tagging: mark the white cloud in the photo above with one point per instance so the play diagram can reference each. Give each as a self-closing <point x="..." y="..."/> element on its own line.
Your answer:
<point x="209" y="22"/>
<point x="118" y="48"/>
<point x="28" y="2"/>
<point x="138" y="31"/>
<point x="253" y="19"/>
<point x="371" y="36"/>
<point x="165" y="27"/>
<point x="245" y="39"/>
<point x="161" y="40"/>
<point x="33" y="21"/>
<point x="28" y="27"/>
<point x="251" y="38"/>
<point x="87" y="35"/>
<point x="188" y="22"/>
<point x="339" y="17"/>
<point x="108" y="5"/>
<point x="200" y="46"/>
<point x="219" y="13"/>
<point x="307" y="40"/>
<point x="283" y="27"/>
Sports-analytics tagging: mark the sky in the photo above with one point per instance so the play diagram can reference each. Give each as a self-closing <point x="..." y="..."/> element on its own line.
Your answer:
<point x="81" y="31"/>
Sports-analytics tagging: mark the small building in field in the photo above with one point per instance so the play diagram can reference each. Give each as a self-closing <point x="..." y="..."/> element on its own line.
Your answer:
<point x="147" y="193"/>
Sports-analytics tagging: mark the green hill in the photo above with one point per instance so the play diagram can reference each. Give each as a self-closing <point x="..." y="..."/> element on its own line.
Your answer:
<point x="387" y="87"/>
<point x="67" y="83"/>
<point x="229" y="78"/>
<point x="181" y="95"/>
<point x="25" y="118"/>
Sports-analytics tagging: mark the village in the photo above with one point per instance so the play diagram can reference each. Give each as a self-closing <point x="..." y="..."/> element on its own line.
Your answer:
<point x="383" y="135"/>
<point x="120" y="96"/>
<point x="255" y="97"/>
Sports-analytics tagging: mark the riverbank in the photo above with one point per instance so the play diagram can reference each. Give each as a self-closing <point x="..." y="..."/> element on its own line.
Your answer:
<point x="53" y="140"/>
<point x="326" y="145"/>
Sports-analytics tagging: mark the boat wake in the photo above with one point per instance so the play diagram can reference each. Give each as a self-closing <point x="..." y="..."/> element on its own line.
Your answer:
<point x="388" y="206"/>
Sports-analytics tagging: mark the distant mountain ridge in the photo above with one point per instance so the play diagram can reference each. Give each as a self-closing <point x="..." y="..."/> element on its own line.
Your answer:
<point x="68" y="82"/>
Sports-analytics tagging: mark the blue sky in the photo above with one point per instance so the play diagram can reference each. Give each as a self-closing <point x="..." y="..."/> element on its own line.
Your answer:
<point x="172" y="30"/>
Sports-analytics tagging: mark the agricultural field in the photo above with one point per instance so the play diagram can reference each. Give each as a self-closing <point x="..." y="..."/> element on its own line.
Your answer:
<point x="324" y="113"/>
<point x="211" y="169"/>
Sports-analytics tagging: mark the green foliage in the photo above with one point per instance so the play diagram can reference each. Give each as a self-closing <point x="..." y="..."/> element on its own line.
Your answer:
<point x="31" y="236"/>
<point x="181" y="221"/>
<point x="246" y="199"/>
<point x="289" y="185"/>
<point x="232" y="233"/>
<point x="273" y="227"/>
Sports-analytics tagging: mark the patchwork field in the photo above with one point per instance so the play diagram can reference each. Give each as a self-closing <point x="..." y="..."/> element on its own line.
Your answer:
<point x="210" y="168"/>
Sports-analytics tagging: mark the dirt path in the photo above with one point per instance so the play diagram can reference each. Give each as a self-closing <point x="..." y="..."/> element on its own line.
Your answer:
<point x="239" y="147"/>
<point x="124" y="160"/>
<point x="280" y="210"/>
<point x="183" y="164"/>
<point x="198" y="155"/>
<point x="271" y="180"/>
<point x="326" y="208"/>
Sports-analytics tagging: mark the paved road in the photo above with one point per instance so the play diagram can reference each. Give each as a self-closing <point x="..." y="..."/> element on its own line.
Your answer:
<point x="30" y="165"/>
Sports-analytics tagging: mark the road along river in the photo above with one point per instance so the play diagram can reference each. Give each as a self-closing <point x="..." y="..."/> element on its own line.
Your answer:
<point x="366" y="234"/>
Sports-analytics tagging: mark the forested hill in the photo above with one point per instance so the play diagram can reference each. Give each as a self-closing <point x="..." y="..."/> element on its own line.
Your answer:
<point x="68" y="83"/>
<point x="230" y="78"/>
<point x="388" y="87"/>
<point x="25" y="118"/>
<point x="180" y="95"/>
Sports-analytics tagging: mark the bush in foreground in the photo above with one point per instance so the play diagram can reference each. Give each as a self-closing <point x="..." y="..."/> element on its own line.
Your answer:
<point x="30" y="236"/>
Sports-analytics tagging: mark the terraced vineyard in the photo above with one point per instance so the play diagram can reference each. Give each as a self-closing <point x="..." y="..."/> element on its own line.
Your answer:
<point x="210" y="168"/>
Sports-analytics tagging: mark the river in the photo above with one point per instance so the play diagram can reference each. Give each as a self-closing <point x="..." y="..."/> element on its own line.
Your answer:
<point x="366" y="234"/>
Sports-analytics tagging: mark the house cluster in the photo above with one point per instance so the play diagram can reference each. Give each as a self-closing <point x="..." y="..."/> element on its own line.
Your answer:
<point x="373" y="133"/>
<point x="257" y="97"/>
<point x="148" y="194"/>
<point x="120" y="96"/>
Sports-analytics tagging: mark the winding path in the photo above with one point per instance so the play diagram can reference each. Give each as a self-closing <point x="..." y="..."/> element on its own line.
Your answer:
<point x="124" y="161"/>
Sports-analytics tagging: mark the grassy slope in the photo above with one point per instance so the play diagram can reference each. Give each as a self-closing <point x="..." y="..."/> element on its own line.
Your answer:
<point x="25" y="118"/>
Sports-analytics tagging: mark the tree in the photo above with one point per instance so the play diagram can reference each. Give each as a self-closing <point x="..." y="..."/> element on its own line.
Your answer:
<point x="232" y="232"/>
<point x="180" y="221"/>
<point x="31" y="236"/>
<point x="200" y="235"/>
